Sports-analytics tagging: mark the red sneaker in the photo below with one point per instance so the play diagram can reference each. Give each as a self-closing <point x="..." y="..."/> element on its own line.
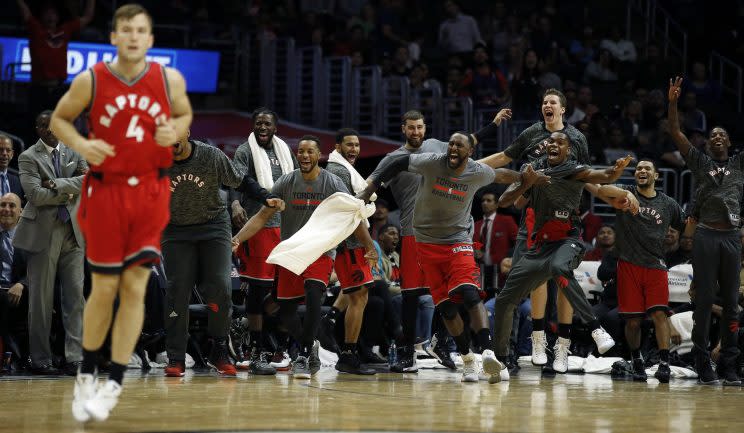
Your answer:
<point x="220" y="360"/>
<point x="175" y="369"/>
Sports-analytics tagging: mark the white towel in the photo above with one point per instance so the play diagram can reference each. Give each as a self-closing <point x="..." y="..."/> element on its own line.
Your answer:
<point x="261" y="160"/>
<point x="333" y="220"/>
<point x="682" y="323"/>
<point x="357" y="181"/>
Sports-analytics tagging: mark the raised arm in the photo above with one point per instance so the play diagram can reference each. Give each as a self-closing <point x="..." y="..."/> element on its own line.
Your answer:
<point x="90" y="6"/>
<point x="392" y="167"/>
<point x="683" y="144"/>
<point x="497" y="160"/>
<point x="73" y="102"/>
<point x="493" y="126"/>
<point x="608" y="175"/>
<point x="25" y="11"/>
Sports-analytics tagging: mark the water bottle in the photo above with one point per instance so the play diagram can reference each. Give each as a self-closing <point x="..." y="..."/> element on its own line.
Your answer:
<point x="392" y="355"/>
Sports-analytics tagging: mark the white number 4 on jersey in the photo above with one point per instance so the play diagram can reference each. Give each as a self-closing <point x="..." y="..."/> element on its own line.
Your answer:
<point x="134" y="130"/>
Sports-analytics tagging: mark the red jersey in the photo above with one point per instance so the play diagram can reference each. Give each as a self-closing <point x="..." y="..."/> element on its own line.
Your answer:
<point x="125" y="115"/>
<point x="49" y="49"/>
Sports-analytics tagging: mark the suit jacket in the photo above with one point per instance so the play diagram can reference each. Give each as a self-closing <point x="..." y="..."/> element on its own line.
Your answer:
<point x="503" y="237"/>
<point x="15" y="185"/>
<point x="38" y="216"/>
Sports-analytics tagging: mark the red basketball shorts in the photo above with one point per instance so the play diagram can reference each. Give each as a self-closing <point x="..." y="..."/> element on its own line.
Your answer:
<point x="292" y="286"/>
<point x="352" y="269"/>
<point x="641" y="290"/>
<point x="447" y="267"/>
<point x="411" y="274"/>
<point x="254" y="252"/>
<point x="122" y="219"/>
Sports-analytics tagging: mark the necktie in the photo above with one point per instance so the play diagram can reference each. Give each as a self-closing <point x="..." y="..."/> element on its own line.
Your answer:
<point x="62" y="214"/>
<point x="4" y="183"/>
<point x="6" y="255"/>
<point x="486" y="240"/>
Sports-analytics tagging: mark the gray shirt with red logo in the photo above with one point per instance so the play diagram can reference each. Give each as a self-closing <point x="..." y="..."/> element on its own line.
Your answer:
<point x="442" y="209"/>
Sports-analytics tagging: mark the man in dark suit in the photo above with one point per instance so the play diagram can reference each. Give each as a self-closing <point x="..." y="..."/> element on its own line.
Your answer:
<point x="52" y="175"/>
<point x="9" y="181"/>
<point x="13" y="284"/>
<point x="496" y="234"/>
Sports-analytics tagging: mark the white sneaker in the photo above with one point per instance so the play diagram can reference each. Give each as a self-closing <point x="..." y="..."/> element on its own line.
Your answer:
<point x="100" y="405"/>
<point x="539" y="343"/>
<point x="560" y="363"/>
<point x="280" y="361"/>
<point x="470" y="368"/>
<point x="85" y="389"/>
<point x="603" y="339"/>
<point x="457" y="359"/>
<point x="491" y="365"/>
<point x="504" y="375"/>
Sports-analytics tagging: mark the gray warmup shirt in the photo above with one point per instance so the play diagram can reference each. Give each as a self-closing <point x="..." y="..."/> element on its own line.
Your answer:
<point x="558" y="200"/>
<point x="530" y="146"/>
<point x="243" y="161"/>
<point x="339" y="170"/>
<point x="445" y="199"/>
<point x="639" y="238"/>
<point x="719" y="187"/>
<point x="302" y="197"/>
<point x="195" y="184"/>
<point x="405" y="185"/>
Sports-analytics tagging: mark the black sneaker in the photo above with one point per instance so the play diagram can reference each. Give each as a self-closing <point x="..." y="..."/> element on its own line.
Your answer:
<point x="259" y="363"/>
<point x="313" y="361"/>
<point x="728" y="375"/>
<point x="706" y="375"/>
<point x="639" y="371"/>
<point x="663" y="373"/>
<point x="348" y="362"/>
<point x="327" y="335"/>
<point x="438" y="350"/>
<point x="367" y="356"/>
<point x="406" y="361"/>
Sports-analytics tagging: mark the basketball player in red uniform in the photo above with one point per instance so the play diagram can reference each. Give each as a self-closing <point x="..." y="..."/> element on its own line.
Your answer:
<point x="137" y="110"/>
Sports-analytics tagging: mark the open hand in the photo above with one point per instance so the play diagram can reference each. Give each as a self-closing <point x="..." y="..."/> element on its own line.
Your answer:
<point x="675" y="89"/>
<point x="239" y="216"/>
<point x="235" y="245"/>
<point x="622" y="163"/>
<point x="503" y="114"/>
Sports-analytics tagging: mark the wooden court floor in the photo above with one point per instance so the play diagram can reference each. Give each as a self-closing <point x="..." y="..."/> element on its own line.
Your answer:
<point x="432" y="400"/>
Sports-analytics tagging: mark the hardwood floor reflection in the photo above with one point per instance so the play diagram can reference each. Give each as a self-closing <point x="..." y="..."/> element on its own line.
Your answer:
<point x="433" y="400"/>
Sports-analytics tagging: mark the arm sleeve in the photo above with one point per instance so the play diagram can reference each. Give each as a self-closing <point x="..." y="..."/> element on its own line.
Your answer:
<point x="515" y="150"/>
<point x="227" y="174"/>
<point x="695" y="159"/>
<point x="678" y="216"/>
<point x="582" y="149"/>
<point x="242" y="160"/>
<point x="279" y="188"/>
<point x="421" y="162"/>
<point x="390" y="167"/>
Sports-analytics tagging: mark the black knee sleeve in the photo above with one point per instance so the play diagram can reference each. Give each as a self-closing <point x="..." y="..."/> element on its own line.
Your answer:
<point x="448" y="310"/>
<point x="470" y="296"/>
<point x="255" y="295"/>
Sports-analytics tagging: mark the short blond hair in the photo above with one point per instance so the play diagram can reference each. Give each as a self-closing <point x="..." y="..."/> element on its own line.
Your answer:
<point x="129" y="11"/>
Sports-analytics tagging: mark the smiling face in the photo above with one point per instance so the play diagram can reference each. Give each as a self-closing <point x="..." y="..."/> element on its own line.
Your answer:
<point x="308" y="154"/>
<point x="264" y="129"/>
<point x="132" y="37"/>
<point x="459" y="151"/>
<point x="558" y="148"/>
<point x="718" y="143"/>
<point x="6" y="151"/>
<point x="414" y="130"/>
<point x="10" y="210"/>
<point x="645" y="174"/>
<point x="552" y="109"/>
<point x="349" y="148"/>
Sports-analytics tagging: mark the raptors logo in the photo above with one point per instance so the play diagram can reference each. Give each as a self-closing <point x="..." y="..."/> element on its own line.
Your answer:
<point x="357" y="276"/>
